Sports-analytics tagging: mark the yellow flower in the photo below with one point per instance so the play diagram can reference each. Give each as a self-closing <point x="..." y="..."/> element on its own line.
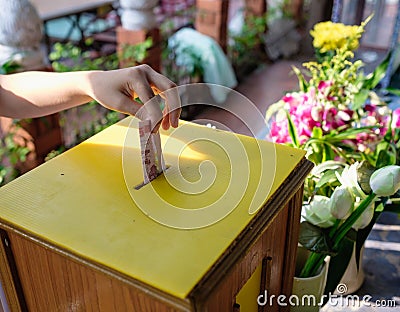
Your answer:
<point x="329" y="36"/>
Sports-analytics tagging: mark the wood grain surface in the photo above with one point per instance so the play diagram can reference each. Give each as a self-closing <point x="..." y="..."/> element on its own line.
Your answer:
<point x="52" y="282"/>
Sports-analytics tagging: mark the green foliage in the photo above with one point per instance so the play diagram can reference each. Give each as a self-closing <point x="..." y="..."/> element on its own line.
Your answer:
<point x="340" y="70"/>
<point x="69" y="57"/>
<point x="315" y="239"/>
<point x="292" y="131"/>
<point x="132" y="55"/>
<point x="54" y="153"/>
<point x="246" y="45"/>
<point x="9" y="67"/>
<point x="340" y="206"/>
<point x="11" y="153"/>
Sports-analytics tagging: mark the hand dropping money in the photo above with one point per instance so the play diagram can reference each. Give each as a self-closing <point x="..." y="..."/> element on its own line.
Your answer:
<point x="150" y="142"/>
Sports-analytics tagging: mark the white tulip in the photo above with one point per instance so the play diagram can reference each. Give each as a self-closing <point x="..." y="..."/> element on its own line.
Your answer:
<point x="348" y="178"/>
<point x="385" y="181"/>
<point x="341" y="202"/>
<point x="318" y="213"/>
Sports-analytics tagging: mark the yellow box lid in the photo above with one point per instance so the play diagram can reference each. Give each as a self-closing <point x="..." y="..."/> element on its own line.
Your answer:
<point x="170" y="232"/>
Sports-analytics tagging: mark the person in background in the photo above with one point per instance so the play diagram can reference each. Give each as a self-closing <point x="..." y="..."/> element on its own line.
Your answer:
<point x="35" y="94"/>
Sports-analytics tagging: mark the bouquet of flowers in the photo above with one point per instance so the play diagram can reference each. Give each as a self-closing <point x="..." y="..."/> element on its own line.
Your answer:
<point x="352" y="136"/>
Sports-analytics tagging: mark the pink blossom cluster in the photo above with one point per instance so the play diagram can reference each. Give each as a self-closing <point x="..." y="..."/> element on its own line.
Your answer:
<point x="374" y="116"/>
<point x="316" y="108"/>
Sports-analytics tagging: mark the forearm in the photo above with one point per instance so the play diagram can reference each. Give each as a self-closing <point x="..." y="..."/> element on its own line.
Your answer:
<point x="34" y="94"/>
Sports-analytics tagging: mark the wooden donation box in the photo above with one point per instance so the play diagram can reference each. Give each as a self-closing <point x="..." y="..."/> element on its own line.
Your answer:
<point x="214" y="231"/>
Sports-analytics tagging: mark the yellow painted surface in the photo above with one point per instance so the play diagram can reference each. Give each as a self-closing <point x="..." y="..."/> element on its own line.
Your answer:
<point x="247" y="296"/>
<point x="170" y="232"/>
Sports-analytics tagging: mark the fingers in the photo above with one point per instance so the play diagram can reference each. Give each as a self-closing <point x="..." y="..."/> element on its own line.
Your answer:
<point x="117" y="90"/>
<point x="141" y="88"/>
<point x="169" y="92"/>
<point x="172" y="109"/>
<point x="125" y="105"/>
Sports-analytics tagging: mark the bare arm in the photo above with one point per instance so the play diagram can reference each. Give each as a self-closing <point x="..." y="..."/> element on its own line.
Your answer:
<point x="34" y="94"/>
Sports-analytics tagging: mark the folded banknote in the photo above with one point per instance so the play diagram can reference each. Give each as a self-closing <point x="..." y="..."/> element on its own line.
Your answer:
<point x="150" y="145"/>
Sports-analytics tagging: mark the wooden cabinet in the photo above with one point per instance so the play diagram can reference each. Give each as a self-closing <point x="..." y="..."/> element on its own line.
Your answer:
<point x="77" y="236"/>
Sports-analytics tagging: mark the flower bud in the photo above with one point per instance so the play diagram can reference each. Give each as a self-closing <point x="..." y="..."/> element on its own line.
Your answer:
<point x="317" y="212"/>
<point x="341" y="202"/>
<point x="385" y="181"/>
<point x="364" y="171"/>
<point x="365" y="217"/>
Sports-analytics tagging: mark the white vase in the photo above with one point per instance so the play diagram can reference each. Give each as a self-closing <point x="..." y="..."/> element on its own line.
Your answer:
<point x="138" y="20"/>
<point x="307" y="292"/>
<point x="353" y="277"/>
<point x="138" y="14"/>
<point x="21" y="35"/>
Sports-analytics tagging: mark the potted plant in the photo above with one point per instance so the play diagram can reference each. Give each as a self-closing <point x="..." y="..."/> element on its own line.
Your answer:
<point x="353" y="138"/>
<point x="245" y="48"/>
<point x="13" y="152"/>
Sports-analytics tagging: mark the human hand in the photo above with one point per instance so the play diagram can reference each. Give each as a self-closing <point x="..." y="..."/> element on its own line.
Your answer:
<point x="117" y="89"/>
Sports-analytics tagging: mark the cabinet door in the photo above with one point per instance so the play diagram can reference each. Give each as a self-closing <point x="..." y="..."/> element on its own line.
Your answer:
<point x="11" y="296"/>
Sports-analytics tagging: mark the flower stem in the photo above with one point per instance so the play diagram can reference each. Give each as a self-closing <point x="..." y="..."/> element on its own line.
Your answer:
<point x="311" y="264"/>
<point x="346" y="226"/>
<point x="334" y="227"/>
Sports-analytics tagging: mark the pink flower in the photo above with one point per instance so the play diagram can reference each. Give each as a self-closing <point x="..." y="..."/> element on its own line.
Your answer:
<point x="396" y="118"/>
<point x="324" y="85"/>
<point x="316" y="109"/>
<point x="376" y="116"/>
<point x="279" y="132"/>
<point x="335" y="118"/>
<point x="324" y="89"/>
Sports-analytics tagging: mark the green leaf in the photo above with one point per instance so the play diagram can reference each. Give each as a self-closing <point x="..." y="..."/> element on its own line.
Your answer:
<point x="327" y="165"/>
<point x="380" y="207"/>
<point x="303" y="85"/>
<point x="292" y="131"/>
<point x="393" y="91"/>
<point x="328" y="153"/>
<point x="314" y="238"/>
<point x="347" y="134"/>
<point x="385" y="158"/>
<point x="317" y="133"/>
<point x="359" y="99"/>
